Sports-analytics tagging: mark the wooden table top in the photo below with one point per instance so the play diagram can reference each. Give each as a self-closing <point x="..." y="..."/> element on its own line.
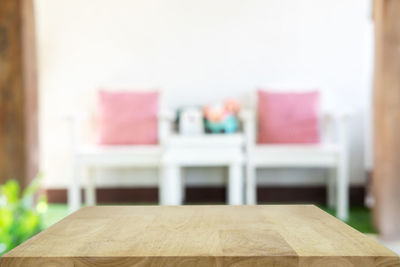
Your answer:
<point x="273" y="235"/>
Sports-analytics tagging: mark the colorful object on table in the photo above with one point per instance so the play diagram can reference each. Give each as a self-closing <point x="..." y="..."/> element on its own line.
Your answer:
<point x="191" y="121"/>
<point x="222" y="118"/>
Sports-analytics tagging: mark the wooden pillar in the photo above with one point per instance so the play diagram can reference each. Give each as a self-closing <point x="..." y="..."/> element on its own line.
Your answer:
<point x="386" y="178"/>
<point x="18" y="92"/>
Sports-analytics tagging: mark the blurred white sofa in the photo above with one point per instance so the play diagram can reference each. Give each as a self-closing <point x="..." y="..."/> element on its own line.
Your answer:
<point x="330" y="153"/>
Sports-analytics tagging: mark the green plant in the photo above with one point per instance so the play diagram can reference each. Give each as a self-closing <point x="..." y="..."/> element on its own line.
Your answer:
<point x="20" y="214"/>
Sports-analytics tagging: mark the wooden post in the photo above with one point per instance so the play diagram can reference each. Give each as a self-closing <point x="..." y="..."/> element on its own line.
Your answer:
<point x="18" y="92"/>
<point x="386" y="178"/>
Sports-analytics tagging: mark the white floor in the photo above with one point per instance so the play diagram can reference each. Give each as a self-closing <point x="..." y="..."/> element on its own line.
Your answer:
<point x="393" y="245"/>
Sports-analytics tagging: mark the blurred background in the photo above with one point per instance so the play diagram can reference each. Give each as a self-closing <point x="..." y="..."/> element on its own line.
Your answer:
<point x="198" y="102"/>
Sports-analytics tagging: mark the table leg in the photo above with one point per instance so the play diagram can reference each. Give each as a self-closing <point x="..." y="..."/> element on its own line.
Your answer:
<point x="235" y="187"/>
<point x="251" y="185"/>
<point x="171" y="186"/>
<point x="183" y="185"/>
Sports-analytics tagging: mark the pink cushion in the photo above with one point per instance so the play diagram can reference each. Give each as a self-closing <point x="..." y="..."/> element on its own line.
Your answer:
<point x="290" y="118"/>
<point x="127" y="118"/>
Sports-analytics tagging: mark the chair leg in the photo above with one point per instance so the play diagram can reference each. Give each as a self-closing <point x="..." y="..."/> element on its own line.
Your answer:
<point x="235" y="186"/>
<point x="74" y="190"/>
<point x="342" y="187"/>
<point x="90" y="192"/>
<point x="170" y="186"/>
<point x="330" y="188"/>
<point x="251" y="185"/>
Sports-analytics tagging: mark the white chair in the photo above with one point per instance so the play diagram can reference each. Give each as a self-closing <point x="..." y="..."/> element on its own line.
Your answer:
<point x="87" y="155"/>
<point x="331" y="153"/>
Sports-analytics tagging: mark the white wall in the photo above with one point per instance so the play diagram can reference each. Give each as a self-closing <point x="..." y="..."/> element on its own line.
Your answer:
<point x="199" y="51"/>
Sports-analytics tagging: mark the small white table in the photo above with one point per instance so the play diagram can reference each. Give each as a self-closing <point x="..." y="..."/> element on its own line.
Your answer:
<point x="201" y="150"/>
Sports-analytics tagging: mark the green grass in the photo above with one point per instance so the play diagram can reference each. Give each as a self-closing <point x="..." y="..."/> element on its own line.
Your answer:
<point x="54" y="213"/>
<point x="360" y="217"/>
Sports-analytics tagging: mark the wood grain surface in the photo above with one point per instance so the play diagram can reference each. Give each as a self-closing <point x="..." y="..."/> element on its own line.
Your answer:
<point x="275" y="235"/>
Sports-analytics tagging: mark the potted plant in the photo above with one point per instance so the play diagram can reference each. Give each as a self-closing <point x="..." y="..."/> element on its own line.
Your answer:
<point x="20" y="213"/>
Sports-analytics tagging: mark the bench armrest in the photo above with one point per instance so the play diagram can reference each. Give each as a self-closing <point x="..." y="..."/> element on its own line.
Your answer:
<point x="248" y="119"/>
<point x="166" y="119"/>
<point x="336" y="129"/>
<point x="77" y="122"/>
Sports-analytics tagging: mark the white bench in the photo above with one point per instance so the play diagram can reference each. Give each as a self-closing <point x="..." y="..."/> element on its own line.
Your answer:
<point x="86" y="155"/>
<point x="331" y="153"/>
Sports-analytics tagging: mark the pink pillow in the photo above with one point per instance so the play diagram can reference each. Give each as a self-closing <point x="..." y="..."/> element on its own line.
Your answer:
<point x="290" y="118"/>
<point x="127" y="118"/>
